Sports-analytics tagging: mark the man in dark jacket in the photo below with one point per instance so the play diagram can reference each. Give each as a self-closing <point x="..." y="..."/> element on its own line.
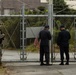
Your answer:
<point x="1" y="39"/>
<point x="63" y="43"/>
<point x="44" y="37"/>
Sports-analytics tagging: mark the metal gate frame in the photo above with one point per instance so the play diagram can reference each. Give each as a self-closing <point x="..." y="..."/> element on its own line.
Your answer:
<point x="50" y="23"/>
<point x="73" y="16"/>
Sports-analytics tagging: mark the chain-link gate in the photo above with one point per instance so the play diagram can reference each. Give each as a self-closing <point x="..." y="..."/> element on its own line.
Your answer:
<point x="12" y="44"/>
<point x="9" y="43"/>
<point x="22" y="22"/>
<point x="70" y="26"/>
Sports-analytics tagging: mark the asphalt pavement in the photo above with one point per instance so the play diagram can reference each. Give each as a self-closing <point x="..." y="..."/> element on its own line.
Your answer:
<point x="34" y="68"/>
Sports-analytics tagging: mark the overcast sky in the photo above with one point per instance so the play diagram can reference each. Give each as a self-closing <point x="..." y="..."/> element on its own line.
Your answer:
<point x="44" y="1"/>
<point x="72" y="4"/>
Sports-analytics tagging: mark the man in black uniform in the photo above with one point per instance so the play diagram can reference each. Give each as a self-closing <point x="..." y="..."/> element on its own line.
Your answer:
<point x="44" y="37"/>
<point x="63" y="43"/>
<point x="1" y="39"/>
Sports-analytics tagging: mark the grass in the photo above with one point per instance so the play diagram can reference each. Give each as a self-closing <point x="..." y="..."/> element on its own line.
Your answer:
<point x="2" y="70"/>
<point x="71" y="48"/>
<point x="32" y="48"/>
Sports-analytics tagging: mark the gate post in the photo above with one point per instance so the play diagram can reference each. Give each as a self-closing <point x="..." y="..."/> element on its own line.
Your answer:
<point x="50" y="23"/>
<point x="23" y="54"/>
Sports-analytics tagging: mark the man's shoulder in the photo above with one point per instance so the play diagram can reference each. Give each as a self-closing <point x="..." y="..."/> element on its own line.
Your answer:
<point x="2" y="36"/>
<point x="67" y="31"/>
<point x="41" y="31"/>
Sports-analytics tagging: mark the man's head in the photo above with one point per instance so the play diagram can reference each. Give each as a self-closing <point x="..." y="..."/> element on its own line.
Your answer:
<point x="46" y="26"/>
<point x="62" y="27"/>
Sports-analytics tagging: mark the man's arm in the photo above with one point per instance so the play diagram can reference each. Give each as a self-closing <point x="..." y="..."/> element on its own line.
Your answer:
<point x="69" y="36"/>
<point x="39" y="36"/>
<point x="59" y="39"/>
<point x="49" y="36"/>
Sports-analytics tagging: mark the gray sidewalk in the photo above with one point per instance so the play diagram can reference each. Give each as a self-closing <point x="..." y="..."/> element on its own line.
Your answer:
<point x="9" y="55"/>
<point x="34" y="68"/>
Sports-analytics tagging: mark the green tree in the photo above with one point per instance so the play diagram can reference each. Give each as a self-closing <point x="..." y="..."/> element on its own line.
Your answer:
<point x="42" y="10"/>
<point x="12" y="29"/>
<point x="60" y="7"/>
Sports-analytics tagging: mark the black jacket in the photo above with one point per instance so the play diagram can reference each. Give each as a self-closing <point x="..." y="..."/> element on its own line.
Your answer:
<point x="1" y="38"/>
<point x="63" y="38"/>
<point x="44" y="36"/>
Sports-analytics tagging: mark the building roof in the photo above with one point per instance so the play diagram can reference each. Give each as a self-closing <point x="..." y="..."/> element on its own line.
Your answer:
<point x="18" y="3"/>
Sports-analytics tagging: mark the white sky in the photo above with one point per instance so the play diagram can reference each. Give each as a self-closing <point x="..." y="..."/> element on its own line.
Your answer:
<point x="44" y="1"/>
<point x="71" y="3"/>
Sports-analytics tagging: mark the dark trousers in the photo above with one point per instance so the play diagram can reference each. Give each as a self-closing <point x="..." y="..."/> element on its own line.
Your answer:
<point x="64" y="49"/>
<point x="0" y="54"/>
<point x="44" y="51"/>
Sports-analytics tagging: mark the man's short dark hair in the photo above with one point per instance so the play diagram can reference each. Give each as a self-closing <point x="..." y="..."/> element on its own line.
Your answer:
<point x="62" y="26"/>
<point x="46" y="26"/>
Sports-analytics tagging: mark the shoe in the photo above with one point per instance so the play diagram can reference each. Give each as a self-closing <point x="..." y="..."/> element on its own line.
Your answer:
<point x="0" y="63"/>
<point x="42" y="64"/>
<point x="66" y="63"/>
<point x="61" y="64"/>
<point x="48" y="64"/>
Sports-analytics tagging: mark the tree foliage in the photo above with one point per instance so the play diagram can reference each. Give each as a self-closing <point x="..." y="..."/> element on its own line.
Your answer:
<point x="60" y="7"/>
<point x="12" y="31"/>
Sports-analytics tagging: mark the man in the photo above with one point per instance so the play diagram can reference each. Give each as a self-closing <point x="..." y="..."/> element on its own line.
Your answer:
<point x="1" y="39"/>
<point x="44" y="37"/>
<point x="63" y="43"/>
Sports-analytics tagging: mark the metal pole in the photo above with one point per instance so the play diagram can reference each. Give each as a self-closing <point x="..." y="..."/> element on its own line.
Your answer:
<point x="23" y="7"/>
<point x="50" y="22"/>
<point x="75" y="38"/>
